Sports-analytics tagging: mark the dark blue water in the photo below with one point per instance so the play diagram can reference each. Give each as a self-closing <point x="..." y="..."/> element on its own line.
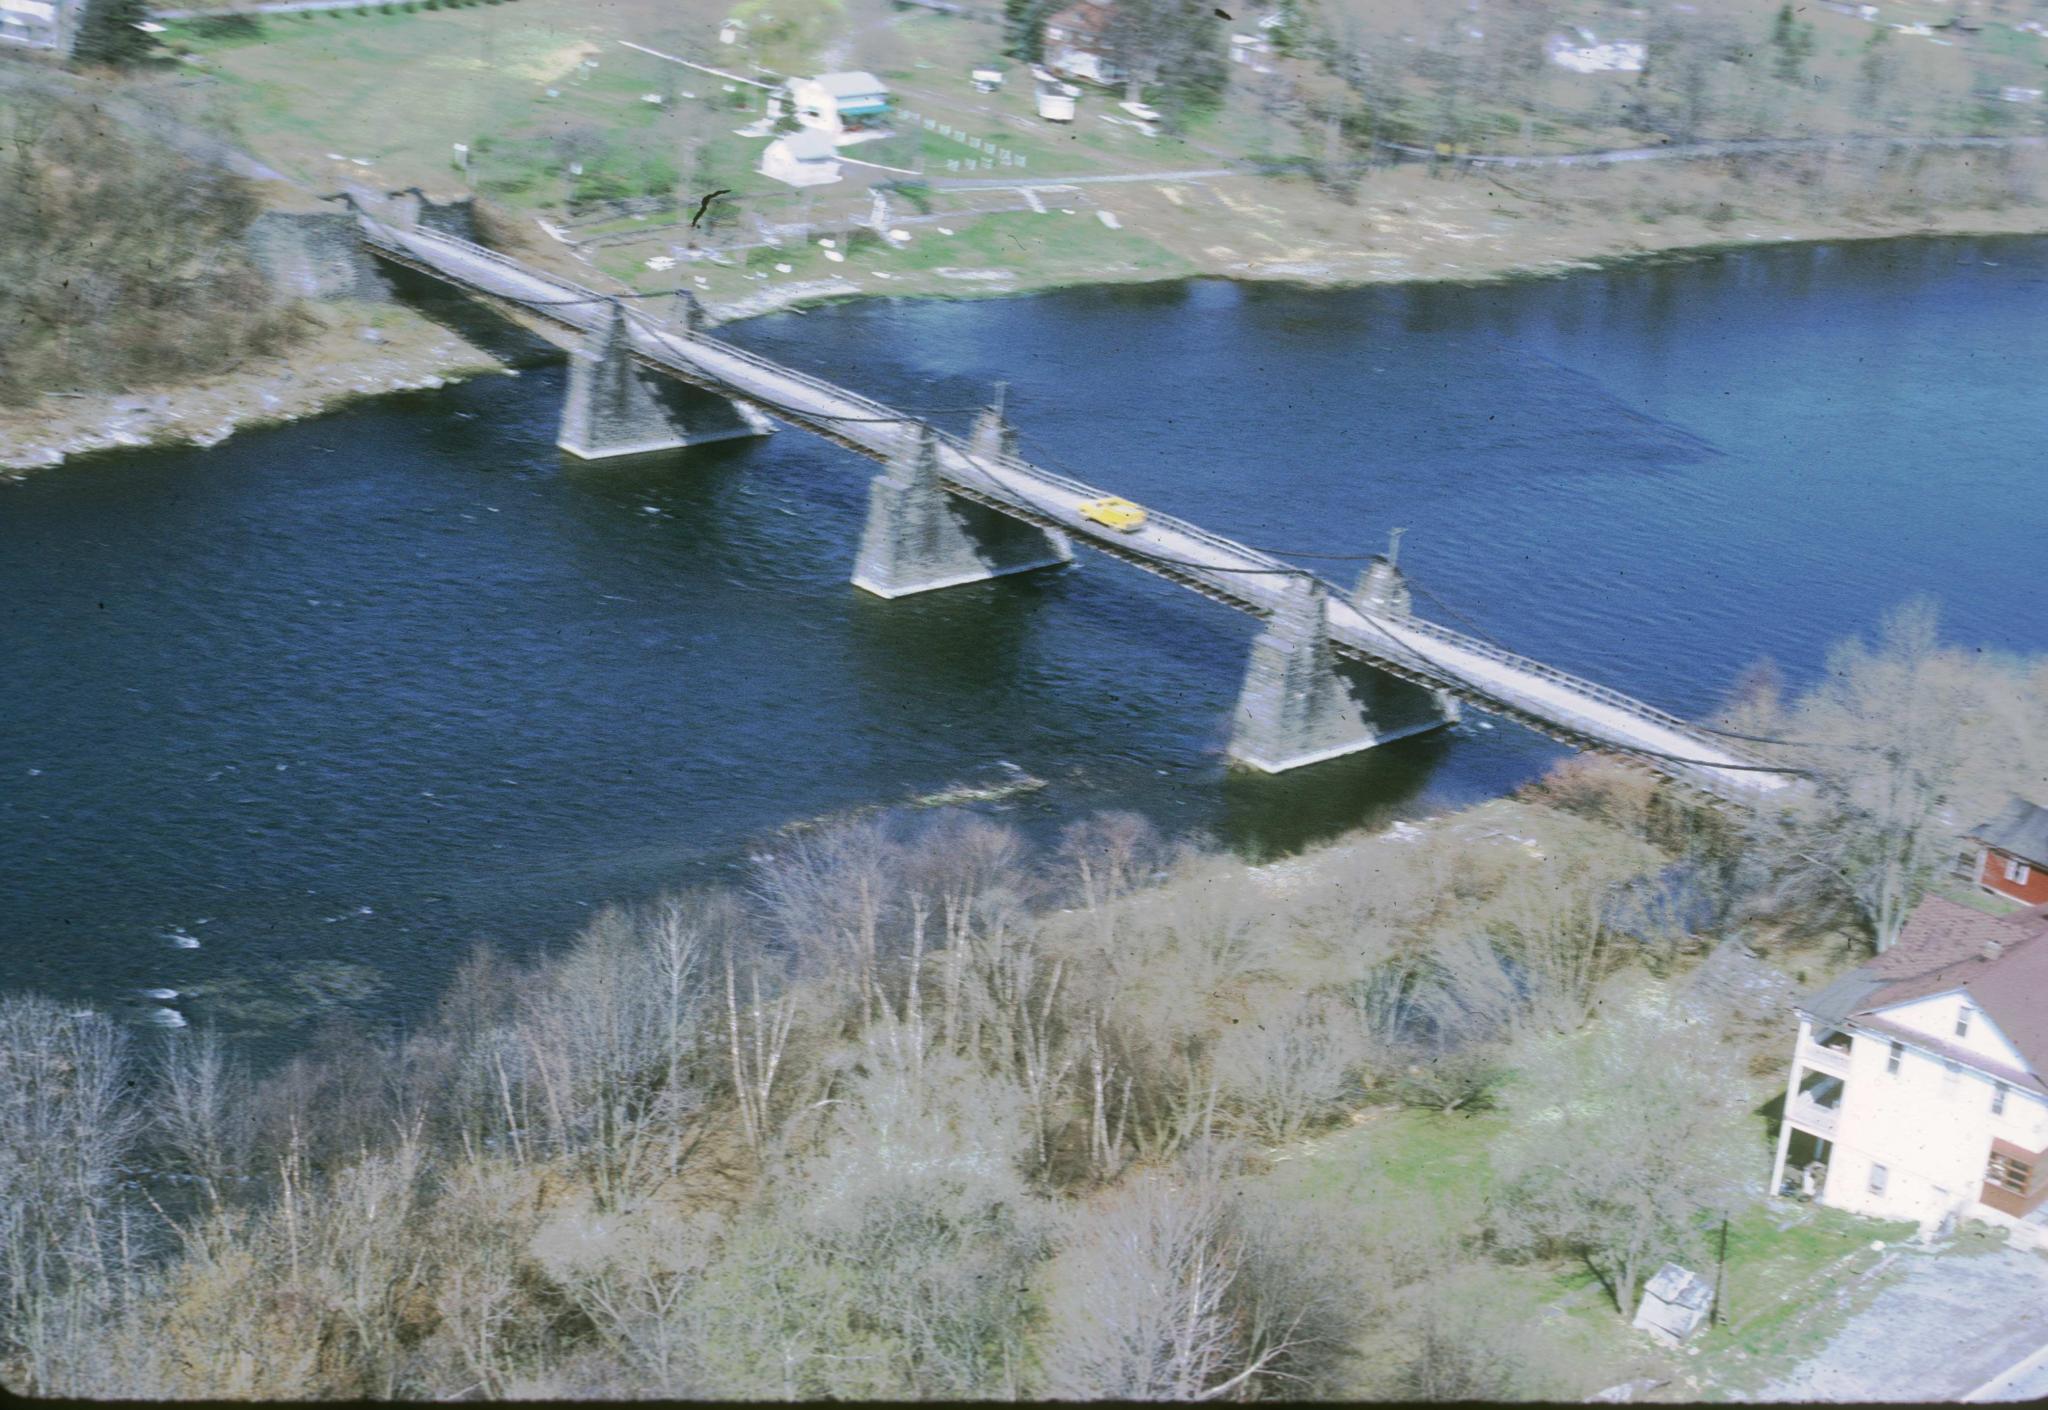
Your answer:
<point x="338" y="698"/>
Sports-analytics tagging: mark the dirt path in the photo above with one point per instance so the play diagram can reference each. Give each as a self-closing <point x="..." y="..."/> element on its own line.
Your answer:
<point x="1949" y="1324"/>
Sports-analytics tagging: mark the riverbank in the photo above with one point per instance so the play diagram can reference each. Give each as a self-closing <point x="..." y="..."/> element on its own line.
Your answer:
<point x="1417" y="230"/>
<point x="350" y="351"/>
<point x="1406" y="227"/>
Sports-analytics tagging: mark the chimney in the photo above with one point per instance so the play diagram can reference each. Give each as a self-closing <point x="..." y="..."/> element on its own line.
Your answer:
<point x="1992" y="949"/>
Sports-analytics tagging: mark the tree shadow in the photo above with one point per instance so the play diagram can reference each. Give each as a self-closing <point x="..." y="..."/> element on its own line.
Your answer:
<point x="1607" y="1284"/>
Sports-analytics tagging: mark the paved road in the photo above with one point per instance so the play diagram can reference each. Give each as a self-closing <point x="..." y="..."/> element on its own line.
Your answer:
<point x="1949" y="1324"/>
<point x="274" y="7"/>
<point x="1013" y="183"/>
<point x="1693" y="151"/>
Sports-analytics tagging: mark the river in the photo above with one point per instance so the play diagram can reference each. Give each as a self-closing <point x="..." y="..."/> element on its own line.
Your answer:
<point x="290" y="722"/>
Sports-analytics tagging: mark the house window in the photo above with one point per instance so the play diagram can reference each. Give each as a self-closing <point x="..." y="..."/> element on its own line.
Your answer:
<point x="1878" y="1176"/>
<point x="1963" y="1021"/>
<point x="1891" y="1064"/>
<point x="1998" y="1091"/>
<point x="2017" y="871"/>
<point x="2008" y="1173"/>
<point x="1951" y="1073"/>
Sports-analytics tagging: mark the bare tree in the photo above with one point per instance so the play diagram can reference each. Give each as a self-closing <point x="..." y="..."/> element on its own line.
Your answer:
<point x="1165" y="1290"/>
<point x="830" y="896"/>
<point x="612" y="1036"/>
<point x="199" y="1117"/>
<point x="66" y="1124"/>
<point x="759" y="1015"/>
<point x="1909" y="743"/>
<point x="1626" y="1141"/>
<point x="1287" y="1068"/>
<point x="894" y="1260"/>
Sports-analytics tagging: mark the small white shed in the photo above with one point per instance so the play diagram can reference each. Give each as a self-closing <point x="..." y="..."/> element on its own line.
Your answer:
<point x="807" y="158"/>
<point x="1674" y="1304"/>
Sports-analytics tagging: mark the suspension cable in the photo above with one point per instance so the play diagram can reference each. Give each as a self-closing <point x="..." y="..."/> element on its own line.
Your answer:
<point x="1405" y="652"/>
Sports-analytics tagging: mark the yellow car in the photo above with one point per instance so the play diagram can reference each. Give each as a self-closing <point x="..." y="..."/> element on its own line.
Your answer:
<point x="1112" y="512"/>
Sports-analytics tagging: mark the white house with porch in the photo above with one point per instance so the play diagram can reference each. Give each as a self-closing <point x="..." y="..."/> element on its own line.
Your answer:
<point x="848" y="107"/>
<point x="1917" y="1086"/>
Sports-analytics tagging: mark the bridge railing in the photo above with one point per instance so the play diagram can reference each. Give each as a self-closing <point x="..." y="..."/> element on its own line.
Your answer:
<point x="1227" y="575"/>
<point x="682" y="347"/>
<point x="1578" y="685"/>
<point x="1246" y="558"/>
<point x="985" y="461"/>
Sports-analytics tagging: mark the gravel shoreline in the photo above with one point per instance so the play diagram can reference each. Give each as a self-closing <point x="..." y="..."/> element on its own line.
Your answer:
<point x="361" y="350"/>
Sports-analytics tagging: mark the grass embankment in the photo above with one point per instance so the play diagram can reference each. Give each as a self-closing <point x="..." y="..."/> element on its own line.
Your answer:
<point x="1777" y="1305"/>
<point x="539" y="89"/>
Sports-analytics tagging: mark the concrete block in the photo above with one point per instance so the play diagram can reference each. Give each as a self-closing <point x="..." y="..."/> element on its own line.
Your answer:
<point x="1301" y="705"/>
<point x="617" y="407"/>
<point x="1675" y="1302"/>
<point x="919" y="537"/>
<point x="316" y="255"/>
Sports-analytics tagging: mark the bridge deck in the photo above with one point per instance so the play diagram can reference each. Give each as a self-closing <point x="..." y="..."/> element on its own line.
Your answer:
<point x="1539" y="696"/>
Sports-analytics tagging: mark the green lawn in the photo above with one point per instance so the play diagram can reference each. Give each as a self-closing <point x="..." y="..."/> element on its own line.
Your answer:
<point x="1771" y="1315"/>
<point x="403" y="88"/>
<point x="1406" y="1164"/>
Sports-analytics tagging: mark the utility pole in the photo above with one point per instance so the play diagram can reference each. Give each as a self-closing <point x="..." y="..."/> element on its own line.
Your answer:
<point x="1715" y="1316"/>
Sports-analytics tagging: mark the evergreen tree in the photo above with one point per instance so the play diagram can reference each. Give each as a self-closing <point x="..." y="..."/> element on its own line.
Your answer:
<point x="107" y="32"/>
<point x="1793" y="41"/>
<point x="1024" y="29"/>
<point x="1877" y="70"/>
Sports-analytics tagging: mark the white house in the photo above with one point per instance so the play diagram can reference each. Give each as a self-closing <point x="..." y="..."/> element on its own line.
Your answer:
<point x="807" y="158"/>
<point x="40" y="24"/>
<point x="848" y="107"/>
<point x="1917" y="1086"/>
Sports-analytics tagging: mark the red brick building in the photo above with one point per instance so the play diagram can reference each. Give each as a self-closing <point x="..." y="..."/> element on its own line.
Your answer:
<point x="2012" y="855"/>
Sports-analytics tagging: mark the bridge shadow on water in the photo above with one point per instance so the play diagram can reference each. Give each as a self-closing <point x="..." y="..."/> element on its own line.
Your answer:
<point x="966" y="642"/>
<point x="1271" y="815"/>
<point x="470" y="318"/>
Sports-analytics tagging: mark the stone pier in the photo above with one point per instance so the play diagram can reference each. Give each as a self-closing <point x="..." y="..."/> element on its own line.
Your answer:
<point x="1301" y="704"/>
<point x="992" y="434"/>
<point x="919" y="538"/>
<point x="617" y="407"/>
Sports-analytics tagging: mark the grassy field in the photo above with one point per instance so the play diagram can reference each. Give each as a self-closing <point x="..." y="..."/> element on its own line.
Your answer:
<point x="1783" y="1262"/>
<point x="555" y="114"/>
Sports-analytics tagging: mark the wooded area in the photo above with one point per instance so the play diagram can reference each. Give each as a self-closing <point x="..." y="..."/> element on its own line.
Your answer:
<point x="916" y="1112"/>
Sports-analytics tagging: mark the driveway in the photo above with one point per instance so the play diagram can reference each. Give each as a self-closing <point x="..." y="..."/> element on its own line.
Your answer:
<point x="1948" y="1324"/>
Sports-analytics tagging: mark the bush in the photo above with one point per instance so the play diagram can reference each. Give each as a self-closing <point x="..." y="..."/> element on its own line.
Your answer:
<point x="121" y="261"/>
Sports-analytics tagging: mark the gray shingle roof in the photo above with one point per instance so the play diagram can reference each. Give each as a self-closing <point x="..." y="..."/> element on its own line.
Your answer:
<point x="854" y="83"/>
<point x="1829" y="1006"/>
<point x="809" y="145"/>
<point x="2021" y="830"/>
